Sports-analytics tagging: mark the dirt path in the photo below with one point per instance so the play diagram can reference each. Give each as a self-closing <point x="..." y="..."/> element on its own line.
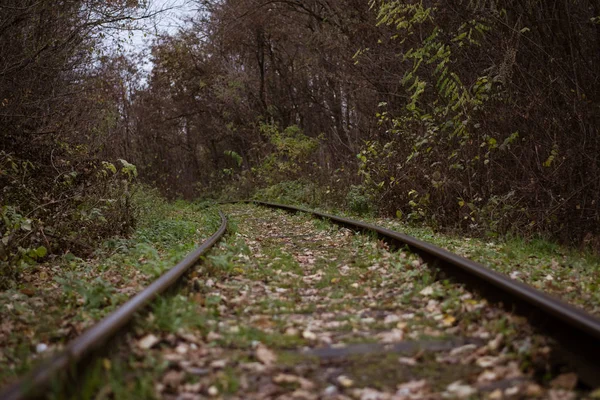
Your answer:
<point x="296" y="308"/>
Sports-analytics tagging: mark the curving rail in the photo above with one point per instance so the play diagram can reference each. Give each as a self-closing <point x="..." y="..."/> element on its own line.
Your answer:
<point x="32" y="384"/>
<point x="577" y="332"/>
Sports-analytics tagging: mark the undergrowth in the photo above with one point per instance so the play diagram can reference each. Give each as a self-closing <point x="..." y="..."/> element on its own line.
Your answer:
<point x="56" y="300"/>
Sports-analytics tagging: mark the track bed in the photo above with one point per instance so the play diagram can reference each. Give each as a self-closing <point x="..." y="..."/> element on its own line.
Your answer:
<point x="303" y="309"/>
<point x="292" y="307"/>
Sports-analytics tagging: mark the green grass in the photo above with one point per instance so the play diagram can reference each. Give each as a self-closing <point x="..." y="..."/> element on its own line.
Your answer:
<point x="61" y="298"/>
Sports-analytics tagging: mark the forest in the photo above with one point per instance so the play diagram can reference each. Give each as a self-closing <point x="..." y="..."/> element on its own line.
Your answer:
<point x="475" y="116"/>
<point x="300" y="199"/>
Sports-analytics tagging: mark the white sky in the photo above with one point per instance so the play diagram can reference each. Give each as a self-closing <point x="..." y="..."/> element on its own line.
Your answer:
<point x="166" y="22"/>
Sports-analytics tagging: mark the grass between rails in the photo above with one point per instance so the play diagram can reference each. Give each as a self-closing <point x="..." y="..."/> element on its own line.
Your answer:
<point x="281" y="286"/>
<point x="59" y="299"/>
<point x="280" y="283"/>
<point x="570" y="274"/>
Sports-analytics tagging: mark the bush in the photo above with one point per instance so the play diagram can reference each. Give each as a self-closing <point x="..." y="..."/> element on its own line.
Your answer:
<point x="46" y="211"/>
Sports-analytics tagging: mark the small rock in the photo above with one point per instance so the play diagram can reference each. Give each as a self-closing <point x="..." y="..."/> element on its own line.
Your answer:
<point x="330" y="390"/>
<point x="41" y="347"/>
<point x="496" y="395"/>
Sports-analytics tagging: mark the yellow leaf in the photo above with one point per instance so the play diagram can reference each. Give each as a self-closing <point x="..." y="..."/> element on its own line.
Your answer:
<point x="449" y="320"/>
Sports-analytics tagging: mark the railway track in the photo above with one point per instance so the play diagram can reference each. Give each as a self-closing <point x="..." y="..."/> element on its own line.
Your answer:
<point x="312" y="267"/>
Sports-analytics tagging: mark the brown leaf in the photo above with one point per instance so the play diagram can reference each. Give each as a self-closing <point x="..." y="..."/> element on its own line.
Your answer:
<point x="565" y="381"/>
<point x="288" y="378"/>
<point x="173" y="378"/>
<point x="147" y="342"/>
<point x="265" y="356"/>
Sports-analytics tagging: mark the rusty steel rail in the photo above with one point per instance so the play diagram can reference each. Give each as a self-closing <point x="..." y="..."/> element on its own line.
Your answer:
<point x="34" y="382"/>
<point x="577" y="332"/>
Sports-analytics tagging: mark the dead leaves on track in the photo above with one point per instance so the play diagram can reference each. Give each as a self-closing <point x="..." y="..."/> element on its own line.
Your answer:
<point x="298" y="309"/>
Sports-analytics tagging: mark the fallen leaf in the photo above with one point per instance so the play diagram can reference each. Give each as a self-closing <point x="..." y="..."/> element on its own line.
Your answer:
<point x="412" y="387"/>
<point x="428" y="291"/>
<point x="407" y="361"/>
<point x="173" y="378"/>
<point x="467" y="348"/>
<point x="213" y="391"/>
<point x="344" y="381"/>
<point x="147" y="342"/>
<point x="308" y="335"/>
<point x="395" y="335"/>
<point x="288" y="378"/>
<point x="487" y="361"/>
<point x="448" y="320"/>
<point x="460" y="390"/>
<point x="533" y="390"/>
<point x="265" y="356"/>
<point x="218" y="364"/>
<point x="564" y="381"/>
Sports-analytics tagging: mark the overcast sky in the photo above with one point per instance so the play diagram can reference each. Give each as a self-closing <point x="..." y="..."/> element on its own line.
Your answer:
<point x="172" y="16"/>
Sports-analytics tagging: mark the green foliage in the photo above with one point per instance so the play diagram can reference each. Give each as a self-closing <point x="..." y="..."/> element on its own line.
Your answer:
<point x="291" y="150"/>
<point x="71" y="290"/>
<point x="235" y="157"/>
<point x="129" y="170"/>
<point x="358" y="201"/>
<point x="78" y="206"/>
<point x="292" y="192"/>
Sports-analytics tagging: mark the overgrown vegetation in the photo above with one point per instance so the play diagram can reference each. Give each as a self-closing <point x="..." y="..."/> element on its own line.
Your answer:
<point x="54" y="301"/>
<point x="474" y="115"/>
<point x="480" y="117"/>
<point x="61" y="99"/>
